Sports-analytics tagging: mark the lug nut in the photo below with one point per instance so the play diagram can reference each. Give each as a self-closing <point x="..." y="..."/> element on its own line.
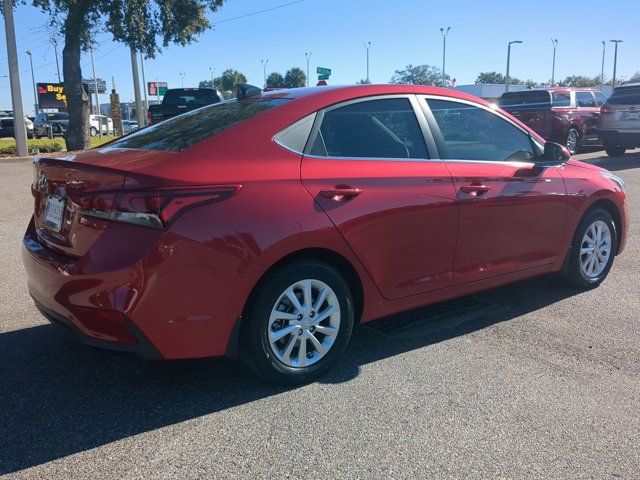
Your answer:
<point x="312" y="314"/>
<point x="299" y="316"/>
<point x="300" y="331"/>
<point x="312" y="329"/>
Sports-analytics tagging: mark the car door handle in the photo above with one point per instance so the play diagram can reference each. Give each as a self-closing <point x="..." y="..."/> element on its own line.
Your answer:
<point x="475" y="190"/>
<point x="339" y="193"/>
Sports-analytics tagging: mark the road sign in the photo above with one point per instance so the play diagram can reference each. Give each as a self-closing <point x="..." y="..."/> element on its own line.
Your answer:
<point x="91" y="87"/>
<point x="157" y="88"/>
<point x="323" y="77"/>
<point x="323" y="71"/>
<point x="51" y="95"/>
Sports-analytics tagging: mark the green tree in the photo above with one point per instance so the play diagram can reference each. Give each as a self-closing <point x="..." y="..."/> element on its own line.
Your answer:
<point x="275" y="80"/>
<point x="495" y="78"/>
<point x="363" y="81"/>
<point x="228" y="80"/>
<point x="419" y="75"/>
<point x="580" y="81"/>
<point x="635" y="78"/>
<point x="144" y="25"/>
<point x="295" y="78"/>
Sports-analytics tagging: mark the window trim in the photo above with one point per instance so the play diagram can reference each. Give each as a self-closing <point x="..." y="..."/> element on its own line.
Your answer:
<point x="593" y="99"/>
<point x="435" y="129"/>
<point x="427" y="135"/>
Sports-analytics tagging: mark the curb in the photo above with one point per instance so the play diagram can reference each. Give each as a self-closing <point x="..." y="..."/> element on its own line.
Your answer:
<point x="16" y="160"/>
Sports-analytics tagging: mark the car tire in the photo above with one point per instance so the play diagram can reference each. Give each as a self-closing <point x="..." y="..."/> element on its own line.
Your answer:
<point x="93" y="131"/>
<point x="572" y="141"/>
<point x="592" y="253"/>
<point x="272" y="347"/>
<point x="615" y="151"/>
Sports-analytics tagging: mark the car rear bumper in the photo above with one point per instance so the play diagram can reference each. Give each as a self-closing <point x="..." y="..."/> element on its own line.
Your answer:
<point x="619" y="138"/>
<point x="159" y="295"/>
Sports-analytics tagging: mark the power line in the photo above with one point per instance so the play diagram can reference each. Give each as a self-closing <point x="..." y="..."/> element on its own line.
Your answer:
<point x="257" y="13"/>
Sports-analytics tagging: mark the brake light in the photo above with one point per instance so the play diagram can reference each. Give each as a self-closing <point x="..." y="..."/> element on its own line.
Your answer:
<point x="150" y="117"/>
<point x="605" y="109"/>
<point x="156" y="208"/>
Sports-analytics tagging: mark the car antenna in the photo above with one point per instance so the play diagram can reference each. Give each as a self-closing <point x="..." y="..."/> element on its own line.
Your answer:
<point x="244" y="90"/>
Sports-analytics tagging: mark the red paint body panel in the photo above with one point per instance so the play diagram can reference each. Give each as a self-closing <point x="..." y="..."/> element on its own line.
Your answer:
<point x="411" y="236"/>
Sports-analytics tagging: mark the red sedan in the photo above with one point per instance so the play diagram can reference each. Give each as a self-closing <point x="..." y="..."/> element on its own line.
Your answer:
<point x="264" y="228"/>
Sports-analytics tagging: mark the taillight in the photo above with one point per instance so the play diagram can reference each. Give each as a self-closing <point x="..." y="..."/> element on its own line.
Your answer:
<point x="605" y="109"/>
<point x="156" y="208"/>
<point x="150" y="117"/>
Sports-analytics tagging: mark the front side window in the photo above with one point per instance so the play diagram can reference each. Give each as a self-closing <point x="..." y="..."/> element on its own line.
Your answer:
<point x="561" y="100"/>
<point x="385" y="128"/>
<point x="585" y="99"/>
<point x="473" y="133"/>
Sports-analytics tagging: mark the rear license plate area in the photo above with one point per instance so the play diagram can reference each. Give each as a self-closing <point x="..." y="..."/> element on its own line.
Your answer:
<point x="54" y="213"/>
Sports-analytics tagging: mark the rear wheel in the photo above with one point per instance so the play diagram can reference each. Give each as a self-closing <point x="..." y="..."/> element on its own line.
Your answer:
<point x="299" y="324"/>
<point x="615" y="151"/>
<point x="573" y="141"/>
<point x="93" y="131"/>
<point x="592" y="250"/>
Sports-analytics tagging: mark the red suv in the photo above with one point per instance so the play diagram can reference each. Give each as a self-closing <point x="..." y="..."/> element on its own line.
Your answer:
<point x="265" y="228"/>
<point x="564" y="115"/>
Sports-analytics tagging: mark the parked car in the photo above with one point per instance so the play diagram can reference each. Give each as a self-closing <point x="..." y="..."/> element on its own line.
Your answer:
<point x="565" y="115"/>
<point x="619" y="127"/>
<point x="55" y="124"/>
<point x="100" y="121"/>
<point x="180" y="100"/>
<point x="129" y="126"/>
<point x="265" y="228"/>
<point x="7" y="126"/>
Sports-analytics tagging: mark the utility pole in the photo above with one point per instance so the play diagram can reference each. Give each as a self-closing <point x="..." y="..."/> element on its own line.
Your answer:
<point x="14" y="79"/>
<point x="182" y="74"/>
<point x="615" y="62"/>
<point x="136" y="88"/>
<point x="604" y="46"/>
<point x="444" y="34"/>
<point x="211" y="70"/>
<point x="264" y="72"/>
<point x="506" y="80"/>
<point x="54" y="41"/>
<point x="33" y="80"/>
<point x="144" y="86"/>
<point x="367" y="47"/>
<point x="95" y="91"/>
<point x="554" y="42"/>
<point x="308" y="56"/>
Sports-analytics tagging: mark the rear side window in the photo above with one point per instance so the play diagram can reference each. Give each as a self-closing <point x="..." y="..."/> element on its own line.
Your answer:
<point x="472" y="133"/>
<point x="187" y="129"/>
<point x="561" y="100"/>
<point x="600" y="98"/>
<point x="585" y="99"/>
<point x="625" y="96"/>
<point x="385" y="128"/>
<point x="190" y="97"/>
<point x="525" y="99"/>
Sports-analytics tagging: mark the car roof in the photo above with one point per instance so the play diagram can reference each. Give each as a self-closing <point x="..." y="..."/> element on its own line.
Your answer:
<point x="629" y="85"/>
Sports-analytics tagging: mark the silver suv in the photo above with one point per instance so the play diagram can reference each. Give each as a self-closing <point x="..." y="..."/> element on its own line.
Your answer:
<point x="619" y="125"/>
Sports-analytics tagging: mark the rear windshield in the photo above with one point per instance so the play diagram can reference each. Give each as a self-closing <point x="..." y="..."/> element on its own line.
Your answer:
<point x="625" y="96"/>
<point x="190" y="97"/>
<point x="187" y="129"/>
<point x="525" y="99"/>
<point x="58" y="116"/>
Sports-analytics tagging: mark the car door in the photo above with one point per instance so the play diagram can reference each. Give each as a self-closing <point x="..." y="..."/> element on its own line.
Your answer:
<point x="512" y="210"/>
<point x="368" y="167"/>
<point x="588" y="113"/>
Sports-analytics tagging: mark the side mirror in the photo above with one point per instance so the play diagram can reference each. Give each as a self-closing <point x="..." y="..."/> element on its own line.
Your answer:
<point x="555" y="153"/>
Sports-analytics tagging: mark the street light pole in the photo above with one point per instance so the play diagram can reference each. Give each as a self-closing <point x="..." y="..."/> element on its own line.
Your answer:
<point x="264" y="72"/>
<point x="308" y="56"/>
<point x="554" y="41"/>
<point x="19" y="126"/>
<point x="136" y="88"/>
<point x="33" y="80"/>
<point x="211" y="70"/>
<point x="144" y="85"/>
<point x="54" y="40"/>
<point x="604" y="46"/>
<point x="615" y="61"/>
<point x="182" y="79"/>
<point x="95" y="91"/>
<point x="367" y="47"/>
<point x="444" y="34"/>
<point x="506" y="79"/>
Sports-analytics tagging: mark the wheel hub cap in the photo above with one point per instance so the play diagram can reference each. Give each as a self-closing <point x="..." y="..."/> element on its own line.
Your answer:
<point x="595" y="249"/>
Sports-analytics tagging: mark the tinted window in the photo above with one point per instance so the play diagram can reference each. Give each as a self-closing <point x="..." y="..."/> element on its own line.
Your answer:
<point x="58" y="116"/>
<point x="190" y="97"/>
<point x="386" y="128"/>
<point x="561" y="99"/>
<point x="600" y="98"/>
<point x="472" y="133"/>
<point x="585" y="99"/>
<point x="525" y="99"/>
<point x="625" y="96"/>
<point x="187" y="129"/>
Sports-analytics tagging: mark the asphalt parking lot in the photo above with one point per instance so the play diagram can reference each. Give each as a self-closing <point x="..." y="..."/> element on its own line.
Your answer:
<point x="532" y="380"/>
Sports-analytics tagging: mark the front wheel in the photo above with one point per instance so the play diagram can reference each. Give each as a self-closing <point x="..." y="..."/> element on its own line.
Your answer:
<point x="593" y="249"/>
<point x="93" y="131"/>
<point x="573" y="141"/>
<point x="615" y="151"/>
<point x="299" y="324"/>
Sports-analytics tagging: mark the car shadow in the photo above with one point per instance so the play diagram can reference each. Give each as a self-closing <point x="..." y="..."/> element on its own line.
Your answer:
<point x="624" y="162"/>
<point x="58" y="397"/>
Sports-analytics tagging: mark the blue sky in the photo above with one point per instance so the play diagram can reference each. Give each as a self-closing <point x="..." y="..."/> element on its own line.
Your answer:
<point x="401" y="32"/>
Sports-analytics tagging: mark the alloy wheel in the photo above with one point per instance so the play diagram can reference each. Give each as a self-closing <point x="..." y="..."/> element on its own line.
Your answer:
<point x="572" y="141"/>
<point x="595" y="249"/>
<point x="304" y="323"/>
